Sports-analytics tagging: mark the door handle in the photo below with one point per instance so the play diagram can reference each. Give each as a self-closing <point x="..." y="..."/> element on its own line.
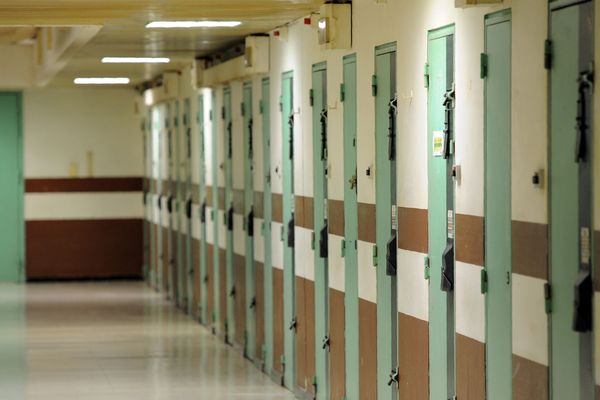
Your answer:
<point x="448" y="104"/>
<point x="291" y="140"/>
<point x="250" y="223"/>
<point x="585" y="81"/>
<point x="159" y="202"/>
<point x="203" y="212"/>
<point x="391" y="257"/>
<point x="170" y="204"/>
<point x="582" y="317"/>
<point x="290" y="232"/>
<point x="392" y="110"/>
<point x="448" y="268"/>
<point x="324" y="242"/>
<point x="250" y="139"/>
<point x="188" y="208"/>
<point x="230" y="218"/>
<point x="323" y="121"/>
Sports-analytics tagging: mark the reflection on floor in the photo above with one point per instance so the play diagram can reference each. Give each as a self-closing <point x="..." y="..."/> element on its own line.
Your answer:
<point x="114" y="341"/>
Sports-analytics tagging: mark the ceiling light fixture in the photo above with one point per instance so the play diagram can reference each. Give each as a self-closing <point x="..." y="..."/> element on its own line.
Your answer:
<point x="135" y="60"/>
<point x="101" y="81"/>
<point x="193" y="24"/>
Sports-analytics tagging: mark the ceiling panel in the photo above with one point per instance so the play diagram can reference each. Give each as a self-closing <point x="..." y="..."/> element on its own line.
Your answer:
<point x="124" y="32"/>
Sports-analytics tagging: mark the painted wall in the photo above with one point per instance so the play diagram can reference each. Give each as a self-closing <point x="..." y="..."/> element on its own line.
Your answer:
<point x="83" y="158"/>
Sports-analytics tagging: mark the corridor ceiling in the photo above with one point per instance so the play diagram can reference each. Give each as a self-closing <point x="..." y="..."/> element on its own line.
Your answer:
<point x="123" y="30"/>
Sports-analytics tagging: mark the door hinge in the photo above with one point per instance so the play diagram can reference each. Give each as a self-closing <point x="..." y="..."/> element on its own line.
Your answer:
<point x="343" y="248"/>
<point x="261" y="106"/>
<point x="242" y="109"/>
<point x="548" y="297"/>
<point x="375" y="255"/>
<point x="548" y="54"/>
<point x="484" y="281"/>
<point x="426" y="269"/>
<point x="483" y="65"/>
<point x="426" y="76"/>
<point x="342" y="92"/>
<point x="311" y="97"/>
<point x="223" y="112"/>
<point x="374" y="85"/>
<point x="210" y="115"/>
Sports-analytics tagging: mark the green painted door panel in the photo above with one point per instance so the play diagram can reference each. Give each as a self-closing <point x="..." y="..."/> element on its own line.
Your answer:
<point x="385" y="186"/>
<point x="11" y="176"/>
<point x="267" y="215"/>
<point x="178" y="200"/>
<point x="203" y="275"/>
<point x="351" y="229"/>
<point x="248" y="115"/>
<point x="157" y="120"/>
<point x="441" y="211"/>
<point x="497" y="202"/>
<point x="319" y="143"/>
<point x="571" y="34"/>
<point x="289" y="271"/>
<point x="187" y="205"/>
<point x="216" y="311"/>
<point x="229" y="256"/>
<point x="171" y="241"/>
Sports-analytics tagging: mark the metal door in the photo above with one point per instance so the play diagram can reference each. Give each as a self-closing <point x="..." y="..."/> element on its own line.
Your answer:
<point x="321" y="232"/>
<point x="348" y="94"/>
<point x="384" y="82"/>
<point x="570" y="193"/>
<point x="496" y="70"/>
<point x="440" y="154"/>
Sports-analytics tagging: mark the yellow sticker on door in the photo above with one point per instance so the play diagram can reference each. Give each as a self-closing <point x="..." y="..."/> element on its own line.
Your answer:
<point x="438" y="143"/>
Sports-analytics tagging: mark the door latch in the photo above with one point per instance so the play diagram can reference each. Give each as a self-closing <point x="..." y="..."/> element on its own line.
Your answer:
<point x="250" y="223"/>
<point x="585" y="81"/>
<point x="353" y="181"/>
<point x="582" y="317"/>
<point x="324" y="242"/>
<point x="448" y="268"/>
<point x="253" y="303"/>
<point x="230" y="218"/>
<point x="394" y="377"/>
<point x="293" y="324"/>
<point x="325" y="344"/>
<point x="391" y="257"/>
<point x="290" y="232"/>
<point x="392" y="111"/>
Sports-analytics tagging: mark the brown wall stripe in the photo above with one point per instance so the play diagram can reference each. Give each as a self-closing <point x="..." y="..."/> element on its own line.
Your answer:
<point x="530" y="249"/>
<point x="238" y="201"/>
<point x="304" y="212"/>
<point x="337" y="347"/>
<point x="530" y="379"/>
<point x="413" y="229"/>
<point x="366" y="222"/>
<point x="239" y="275"/>
<point x="260" y="308"/>
<point x="64" y="185"/>
<point x="469" y="239"/>
<point x="335" y="217"/>
<point x="367" y="316"/>
<point x="305" y="337"/>
<point x="413" y="347"/>
<point x="70" y="249"/>
<point x="259" y="205"/>
<point x="277" y="207"/>
<point x="470" y="368"/>
<point x="277" y="320"/>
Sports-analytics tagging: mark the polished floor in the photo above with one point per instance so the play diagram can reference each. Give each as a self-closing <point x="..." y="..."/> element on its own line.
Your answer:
<point x="114" y="341"/>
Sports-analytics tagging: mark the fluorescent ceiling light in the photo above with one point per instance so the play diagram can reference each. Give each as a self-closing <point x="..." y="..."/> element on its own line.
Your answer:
<point x="101" y="81"/>
<point x="135" y="60"/>
<point x="193" y="24"/>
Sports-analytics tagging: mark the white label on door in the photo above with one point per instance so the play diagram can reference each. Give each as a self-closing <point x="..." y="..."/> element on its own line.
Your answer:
<point x="585" y="245"/>
<point x="450" y="224"/>
<point x="438" y="143"/>
<point x="394" y="218"/>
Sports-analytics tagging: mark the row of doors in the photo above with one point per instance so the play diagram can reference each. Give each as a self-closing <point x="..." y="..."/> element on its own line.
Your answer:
<point x="571" y="78"/>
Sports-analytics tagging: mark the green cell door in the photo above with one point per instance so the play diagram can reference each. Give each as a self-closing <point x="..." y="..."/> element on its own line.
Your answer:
<point x="203" y="275"/>
<point x="187" y="183"/>
<point x="228" y="220"/>
<point x="267" y="215"/>
<point x="147" y="244"/>
<point x="496" y="70"/>
<point x="179" y="200"/>
<point x="321" y="253"/>
<point x="348" y="96"/>
<point x="570" y="186"/>
<point x="171" y="233"/>
<point x="384" y="83"/>
<point x="216" y="284"/>
<point x="155" y="206"/>
<point x="247" y="111"/>
<point x="11" y="175"/>
<point x="289" y="270"/>
<point x="440" y="154"/>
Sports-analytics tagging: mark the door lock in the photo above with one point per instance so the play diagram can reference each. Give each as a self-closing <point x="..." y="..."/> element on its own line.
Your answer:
<point x="353" y="181"/>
